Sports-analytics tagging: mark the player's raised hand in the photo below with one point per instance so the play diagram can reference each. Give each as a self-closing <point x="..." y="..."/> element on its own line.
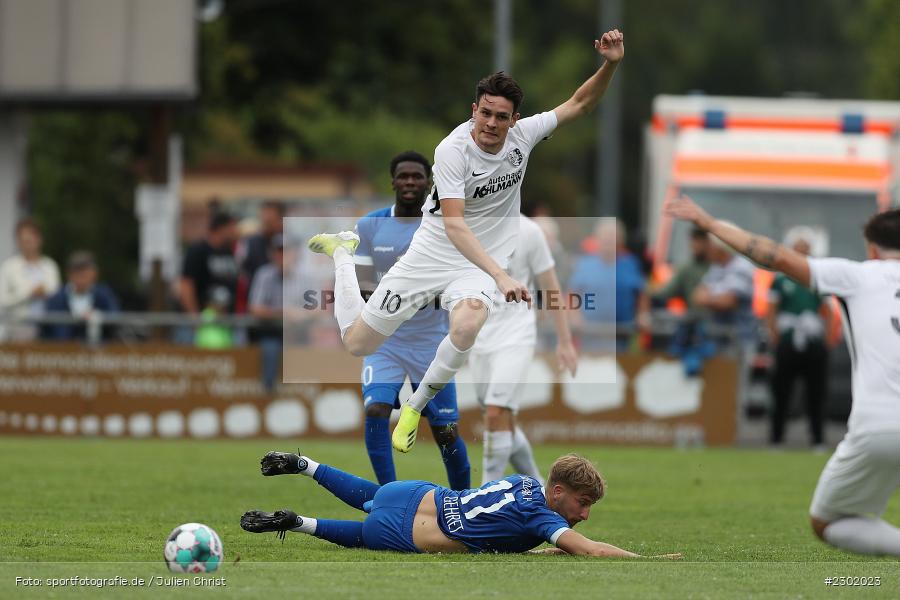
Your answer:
<point x="683" y="207"/>
<point x="512" y="290"/>
<point x="611" y="45"/>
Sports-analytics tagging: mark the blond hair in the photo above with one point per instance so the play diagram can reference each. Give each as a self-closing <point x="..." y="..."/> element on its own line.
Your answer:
<point x="578" y="474"/>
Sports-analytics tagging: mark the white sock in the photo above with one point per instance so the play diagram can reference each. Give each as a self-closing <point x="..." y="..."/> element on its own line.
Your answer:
<point x="864" y="535"/>
<point x="498" y="446"/>
<point x="311" y="466"/>
<point x="522" y="457"/>
<point x="348" y="302"/>
<point x="447" y="361"/>
<point x="309" y="526"/>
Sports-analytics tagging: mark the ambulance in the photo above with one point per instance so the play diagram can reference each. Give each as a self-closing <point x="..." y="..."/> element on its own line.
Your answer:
<point x="768" y="164"/>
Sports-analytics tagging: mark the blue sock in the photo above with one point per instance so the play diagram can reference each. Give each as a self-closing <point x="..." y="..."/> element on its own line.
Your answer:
<point x="378" y="445"/>
<point x="344" y="533"/>
<point x="353" y="490"/>
<point x="456" y="461"/>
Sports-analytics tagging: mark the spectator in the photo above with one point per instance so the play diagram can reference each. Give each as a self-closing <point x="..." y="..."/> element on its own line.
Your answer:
<point x="798" y="323"/>
<point x="689" y="275"/>
<point x="725" y="294"/>
<point x="212" y="334"/>
<point x="689" y="342"/>
<point x="611" y="267"/>
<point x="267" y="303"/>
<point x="256" y="247"/>
<point x="210" y="263"/>
<point x="26" y="280"/>
<point x="82" y="297"/>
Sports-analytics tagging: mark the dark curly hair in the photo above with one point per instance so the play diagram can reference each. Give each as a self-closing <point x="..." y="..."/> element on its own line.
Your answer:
<point x="410" y="156"/>
<point x="500" y="84"/>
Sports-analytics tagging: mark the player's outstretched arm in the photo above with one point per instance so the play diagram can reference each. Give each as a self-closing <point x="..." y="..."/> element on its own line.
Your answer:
<point x="572" y="542"/>
<point x="554" y="551"/>
<point x="761" y="250"/>
<point x="566" y="355"/>
<point x="611" y="46"/>
<point x="469" y="246"/>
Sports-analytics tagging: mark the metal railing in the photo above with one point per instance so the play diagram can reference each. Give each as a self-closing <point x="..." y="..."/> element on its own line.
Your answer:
<point x="135" y="327"/>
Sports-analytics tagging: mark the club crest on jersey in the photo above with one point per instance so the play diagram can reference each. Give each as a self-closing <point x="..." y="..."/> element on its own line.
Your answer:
<point x="515" y="157"/>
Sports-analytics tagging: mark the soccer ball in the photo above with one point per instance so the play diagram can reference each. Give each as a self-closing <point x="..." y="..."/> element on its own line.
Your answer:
<point x="193" y="548"/>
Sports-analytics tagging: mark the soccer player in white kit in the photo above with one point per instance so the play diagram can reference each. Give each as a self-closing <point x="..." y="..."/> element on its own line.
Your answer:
<point x="461" y="250"/>
<point x="864" y="471"/>
<point x="502" y="355"/>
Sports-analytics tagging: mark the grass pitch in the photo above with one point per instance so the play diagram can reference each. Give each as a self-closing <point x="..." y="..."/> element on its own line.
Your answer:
<point x="102" y="508"/>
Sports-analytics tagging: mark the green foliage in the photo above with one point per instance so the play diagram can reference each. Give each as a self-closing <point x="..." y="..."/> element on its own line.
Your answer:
<point x="81" y="183"/>
<point x="290" y="82"/>
<point x="876" y="31"/>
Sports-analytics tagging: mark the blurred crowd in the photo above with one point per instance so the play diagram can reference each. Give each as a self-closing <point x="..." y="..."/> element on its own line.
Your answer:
<point x="31" y="286"/>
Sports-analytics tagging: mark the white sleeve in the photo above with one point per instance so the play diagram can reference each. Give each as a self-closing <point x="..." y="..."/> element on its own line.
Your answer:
<point x="449" y="172"/>
<point x="13" y="290"/>
<point x="537" y="127"/>
<point x="540" y="258"/>
<point x="837" y="276"/>
<point x="53" y="282"/>
<point x="6" y="287"/>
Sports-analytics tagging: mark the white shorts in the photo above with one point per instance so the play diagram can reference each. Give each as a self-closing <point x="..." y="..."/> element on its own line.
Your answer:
<point x="408" y="286"/>
<point x="859" y="478"/>
<point x="500" y="375"/>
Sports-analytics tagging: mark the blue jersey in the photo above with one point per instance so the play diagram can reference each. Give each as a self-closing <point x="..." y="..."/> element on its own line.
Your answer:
<point x="383" y="239"/>
<point x="507" y="515"/>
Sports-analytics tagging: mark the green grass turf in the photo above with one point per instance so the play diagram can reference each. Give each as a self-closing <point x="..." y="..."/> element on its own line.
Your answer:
<point x="102" y="508"/>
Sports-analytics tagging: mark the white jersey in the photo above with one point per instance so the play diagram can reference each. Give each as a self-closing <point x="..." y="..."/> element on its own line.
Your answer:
<point x="869" y="294"/>
<point x="513" y="323"/>
<point x="488" y="183"/>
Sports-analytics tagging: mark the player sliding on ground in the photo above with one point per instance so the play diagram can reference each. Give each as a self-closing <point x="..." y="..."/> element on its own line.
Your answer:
<point x="514" y="514"/>
<point x="859" y="479"/>
<point x="461" y="251"/>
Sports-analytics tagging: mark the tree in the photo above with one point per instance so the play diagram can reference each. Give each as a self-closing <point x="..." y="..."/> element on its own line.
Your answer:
<point x="81" y="185"/>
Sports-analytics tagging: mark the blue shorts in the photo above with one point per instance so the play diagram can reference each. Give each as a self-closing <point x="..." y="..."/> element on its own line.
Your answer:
<point x="389" y="525"/>
<point x="383" y="375"/>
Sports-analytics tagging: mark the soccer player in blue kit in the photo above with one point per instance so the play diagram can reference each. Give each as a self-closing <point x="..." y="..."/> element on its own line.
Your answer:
<point x="384" y="236"/>
<point x="513" y="514"/>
